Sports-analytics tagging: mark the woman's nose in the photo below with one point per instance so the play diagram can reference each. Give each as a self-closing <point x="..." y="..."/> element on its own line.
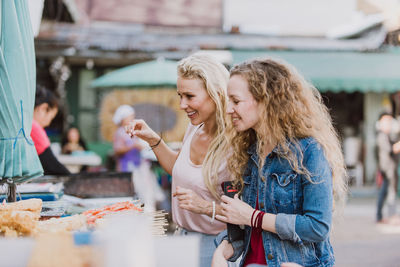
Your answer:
<point x="229" y="108"/>
<point x="183" y="104"/>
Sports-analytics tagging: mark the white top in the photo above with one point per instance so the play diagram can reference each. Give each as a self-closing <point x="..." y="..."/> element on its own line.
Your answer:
<point x="188" y="175"/>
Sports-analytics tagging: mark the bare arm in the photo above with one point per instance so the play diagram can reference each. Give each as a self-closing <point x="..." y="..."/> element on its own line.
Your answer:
<point x="236" y="211"/>
<point x="396" y="147"/>
<point x="191" y="201"/>
<point x="165" y="155"/>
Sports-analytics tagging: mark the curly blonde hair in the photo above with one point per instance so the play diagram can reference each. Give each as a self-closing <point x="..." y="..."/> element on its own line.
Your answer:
<point x="291" y="109"/>
<point x="214" y="76"/>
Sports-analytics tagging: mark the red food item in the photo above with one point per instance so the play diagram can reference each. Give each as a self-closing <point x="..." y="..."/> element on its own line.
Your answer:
<point x="94" y="214"/>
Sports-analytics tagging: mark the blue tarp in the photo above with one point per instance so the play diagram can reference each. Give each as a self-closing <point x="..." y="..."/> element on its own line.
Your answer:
<point x="18" y="157"/>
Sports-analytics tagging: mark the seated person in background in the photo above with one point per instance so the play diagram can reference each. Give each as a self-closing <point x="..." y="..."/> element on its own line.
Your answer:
<point x="126" y="149"/>
<point x="46" y="108"/>
<point x="72" y="141"/>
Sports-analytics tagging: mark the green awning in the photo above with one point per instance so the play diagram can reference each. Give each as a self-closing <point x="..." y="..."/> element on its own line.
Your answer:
<point x="340" y="71"/>
<point x="147" y="74"/>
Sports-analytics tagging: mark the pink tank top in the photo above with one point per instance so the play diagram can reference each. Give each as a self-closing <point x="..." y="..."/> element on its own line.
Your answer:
<point x="188" y="175"/>
<point x="39" y="137"/>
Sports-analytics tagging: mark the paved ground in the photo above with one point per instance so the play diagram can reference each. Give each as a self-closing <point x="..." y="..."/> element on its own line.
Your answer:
<point x="359" y="241"/>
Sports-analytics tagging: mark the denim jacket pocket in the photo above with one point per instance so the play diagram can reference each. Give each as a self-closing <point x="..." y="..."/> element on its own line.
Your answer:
<point x="284" y="191"/>
<point x="308" y="254"/>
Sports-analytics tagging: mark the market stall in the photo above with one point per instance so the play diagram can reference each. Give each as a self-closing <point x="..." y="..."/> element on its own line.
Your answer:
<point x="76" y="229"/>
<point x="88" y="219"/>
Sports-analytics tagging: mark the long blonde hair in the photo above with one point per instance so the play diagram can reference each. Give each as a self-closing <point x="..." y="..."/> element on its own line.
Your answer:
<point x="291" y="109"/>
<point x="215" y="78"/>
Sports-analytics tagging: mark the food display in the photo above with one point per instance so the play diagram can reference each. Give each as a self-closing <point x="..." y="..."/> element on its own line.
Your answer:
<point x="63" y="224"/>
<point x="33" y="205"/>
<point x="64" y="231"/>
<point x="22" y="219"/>
<point x="19" y="218"/>
<point x="94" y="214"/>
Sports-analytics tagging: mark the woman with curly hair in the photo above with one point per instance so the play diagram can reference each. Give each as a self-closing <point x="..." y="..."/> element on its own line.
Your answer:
<point x="287" y="164"/>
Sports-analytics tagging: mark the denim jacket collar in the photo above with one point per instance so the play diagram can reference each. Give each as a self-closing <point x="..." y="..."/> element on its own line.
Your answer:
<point x="252" y="150"/>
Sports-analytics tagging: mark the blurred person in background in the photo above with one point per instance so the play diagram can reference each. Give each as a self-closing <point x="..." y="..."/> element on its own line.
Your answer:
<point x="197" y="171"/>
<point x="46" y="108"/>
<point x="126" y="149"/>
<point x="287" y="163"/>
<point x="72" y="141"/>
<point x="387" y="151"/>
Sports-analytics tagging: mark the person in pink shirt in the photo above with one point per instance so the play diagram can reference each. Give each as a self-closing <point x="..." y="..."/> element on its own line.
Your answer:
<point x="197" y="169"/>
<point x="46" y="108"/>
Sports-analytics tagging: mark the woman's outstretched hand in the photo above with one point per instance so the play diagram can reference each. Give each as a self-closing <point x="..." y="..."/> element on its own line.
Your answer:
<point x="235" y="211"/>
<point x="140" y="129"/>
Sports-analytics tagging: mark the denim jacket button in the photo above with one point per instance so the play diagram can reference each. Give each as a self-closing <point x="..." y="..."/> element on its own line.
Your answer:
<point x="263" y="179"/>
<point x="270" y="256"/>
<point x="262" y="205"/>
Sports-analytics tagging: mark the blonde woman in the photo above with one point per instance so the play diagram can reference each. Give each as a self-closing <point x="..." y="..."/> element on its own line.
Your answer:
<point x="197" y="169"/>
<point x="287" y="162"/>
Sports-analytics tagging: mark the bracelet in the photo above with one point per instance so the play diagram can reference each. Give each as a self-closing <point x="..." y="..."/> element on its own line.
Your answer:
<point x="260" y="219"/>
<point x="256" y="221"/>
<point x="153" y="146"/>
<point x="213" y="212"/>
<point x="251" y="220"/>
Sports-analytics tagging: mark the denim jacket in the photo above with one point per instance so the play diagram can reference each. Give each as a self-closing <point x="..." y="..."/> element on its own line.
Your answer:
<point x="303" y="209"/>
